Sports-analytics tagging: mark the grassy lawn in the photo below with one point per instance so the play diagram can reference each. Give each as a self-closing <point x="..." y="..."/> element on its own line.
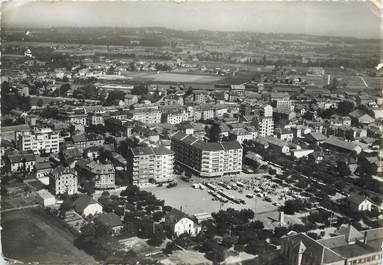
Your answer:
<point x="34" y="236"/>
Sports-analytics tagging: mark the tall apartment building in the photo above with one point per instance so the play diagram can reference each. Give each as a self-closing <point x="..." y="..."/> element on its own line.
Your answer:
<point x="207" y="159"/>
<point x="266" y="122"/>
<point x="349" y="247"/>
<point x="150" y="164"/>
<point x="39" y="140"/>
<point x="146" y="115"/>
<point x="62" y="180"/>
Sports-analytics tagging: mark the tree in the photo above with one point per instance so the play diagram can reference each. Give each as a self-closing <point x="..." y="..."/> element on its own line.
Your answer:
<point x="169" y="248"/>
<point x="140" y="90"/>
<point x="115" y="95"/>
<point x="63" y="90"/>
<point x="228" y="241"/>
<point x="215" y="133"/>
<point x="292" y="206"/>
<point x="157" y="238"/>
<point x="342" y="168"/>
<point x="334" y="84"/>
<point x="40" y="103"/>
<point x="345" y="107"/>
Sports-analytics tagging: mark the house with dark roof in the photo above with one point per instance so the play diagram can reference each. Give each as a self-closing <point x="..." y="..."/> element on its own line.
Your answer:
<point x="70" y="156"/>
<point x="20" y="161"/>
<point x="315" y="138"/>
<point x="111" y="221"/>
<point x="360" y="117"/>
<point x="349" y="246"/>
<point x="86" y="205"/>
<point x="103" y="174"/>
<point x="359" y="202"/>
<point x="43" y="169"/>
<point x="341" y="145"/>
<point x="83" y="141"/>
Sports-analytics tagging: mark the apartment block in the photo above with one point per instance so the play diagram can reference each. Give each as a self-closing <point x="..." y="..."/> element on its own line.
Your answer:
<point x="62" y="180"/>
<point x="207" y="159"/>
<point x="146" y="115"/>
<point x="150" y="165"/>
<point x="39" y="140"/>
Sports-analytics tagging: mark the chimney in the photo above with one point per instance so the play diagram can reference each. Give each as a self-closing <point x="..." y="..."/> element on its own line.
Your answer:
<point x="282" y="218"/>
<point x="365" y="238"/>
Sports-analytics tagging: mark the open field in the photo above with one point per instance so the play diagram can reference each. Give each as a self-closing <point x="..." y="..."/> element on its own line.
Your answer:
<point x="195" y="201"/>
<point x="171" y="77"/>
<point x="34" y="236"/>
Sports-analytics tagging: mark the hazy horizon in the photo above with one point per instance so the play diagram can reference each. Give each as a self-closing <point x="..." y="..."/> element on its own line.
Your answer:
<point x="342" y="19"/>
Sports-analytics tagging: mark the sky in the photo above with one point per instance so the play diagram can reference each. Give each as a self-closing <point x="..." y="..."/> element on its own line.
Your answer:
<point x="339" y="18"/>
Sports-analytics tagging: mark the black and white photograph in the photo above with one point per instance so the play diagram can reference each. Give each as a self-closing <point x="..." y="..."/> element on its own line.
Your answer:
<point x="188" y="132"/>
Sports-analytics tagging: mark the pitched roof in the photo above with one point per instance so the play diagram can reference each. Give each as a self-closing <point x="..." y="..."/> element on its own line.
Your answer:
<point x="82" y="202"/>
<point x="175" y="215"/>
<point x="109" y="219"/>
<point x="206" y="146"/>
<point x="61" y="170"/>
<point x="334" y="141"/>
<point x="318" y="136"/>
<point x="350" y="233"/>
<point x="43" y="165"/>
<point x="357" y="198"/>
<point x="356" y="114"/>
<point x="315" y="250"/>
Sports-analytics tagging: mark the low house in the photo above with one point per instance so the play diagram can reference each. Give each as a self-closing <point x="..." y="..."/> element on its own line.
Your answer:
<point x="277" y="144"/>
<point x="102" y="174"/>
<point x="17" y="162"/>
<point x="45" y="198"/>
<point x="179" y="223"/>
<point x="71" y="156"/>
<point x="284" y="134"/>
<point x="43" y="169"/>
<point x="85" y="205"/>
<point x="315" y="138"/>
<point x="241" y="134"/>
<point x="111" y="221"/>
<point x="359" y="202"/>
<point x="92" y="152"/>
<point x="341" y="145"/>
<point x="360" y="117"/>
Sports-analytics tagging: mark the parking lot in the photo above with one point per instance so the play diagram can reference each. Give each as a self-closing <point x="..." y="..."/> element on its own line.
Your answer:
<point x="197" y="200"/>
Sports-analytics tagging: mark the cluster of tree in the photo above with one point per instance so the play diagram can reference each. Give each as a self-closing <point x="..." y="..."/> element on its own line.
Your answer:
<point x="62" y="90"/>
<point x="140" y="90"/>
<point x="94" y="240"/>
<point x="114" y="97"/>
<point x="50" y="112"/>
<point x="98" y="129"/>
<point x="297" y="205"/>
<point x="86" y="92"/>
<point x="111" y="203"/>
<point x="12" y="122"/>
<point x="10" y="99"/>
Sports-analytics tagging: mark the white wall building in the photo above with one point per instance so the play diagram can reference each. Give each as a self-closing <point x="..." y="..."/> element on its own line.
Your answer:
<point x="38" y="140"/>
<point x="45" y="198"/>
